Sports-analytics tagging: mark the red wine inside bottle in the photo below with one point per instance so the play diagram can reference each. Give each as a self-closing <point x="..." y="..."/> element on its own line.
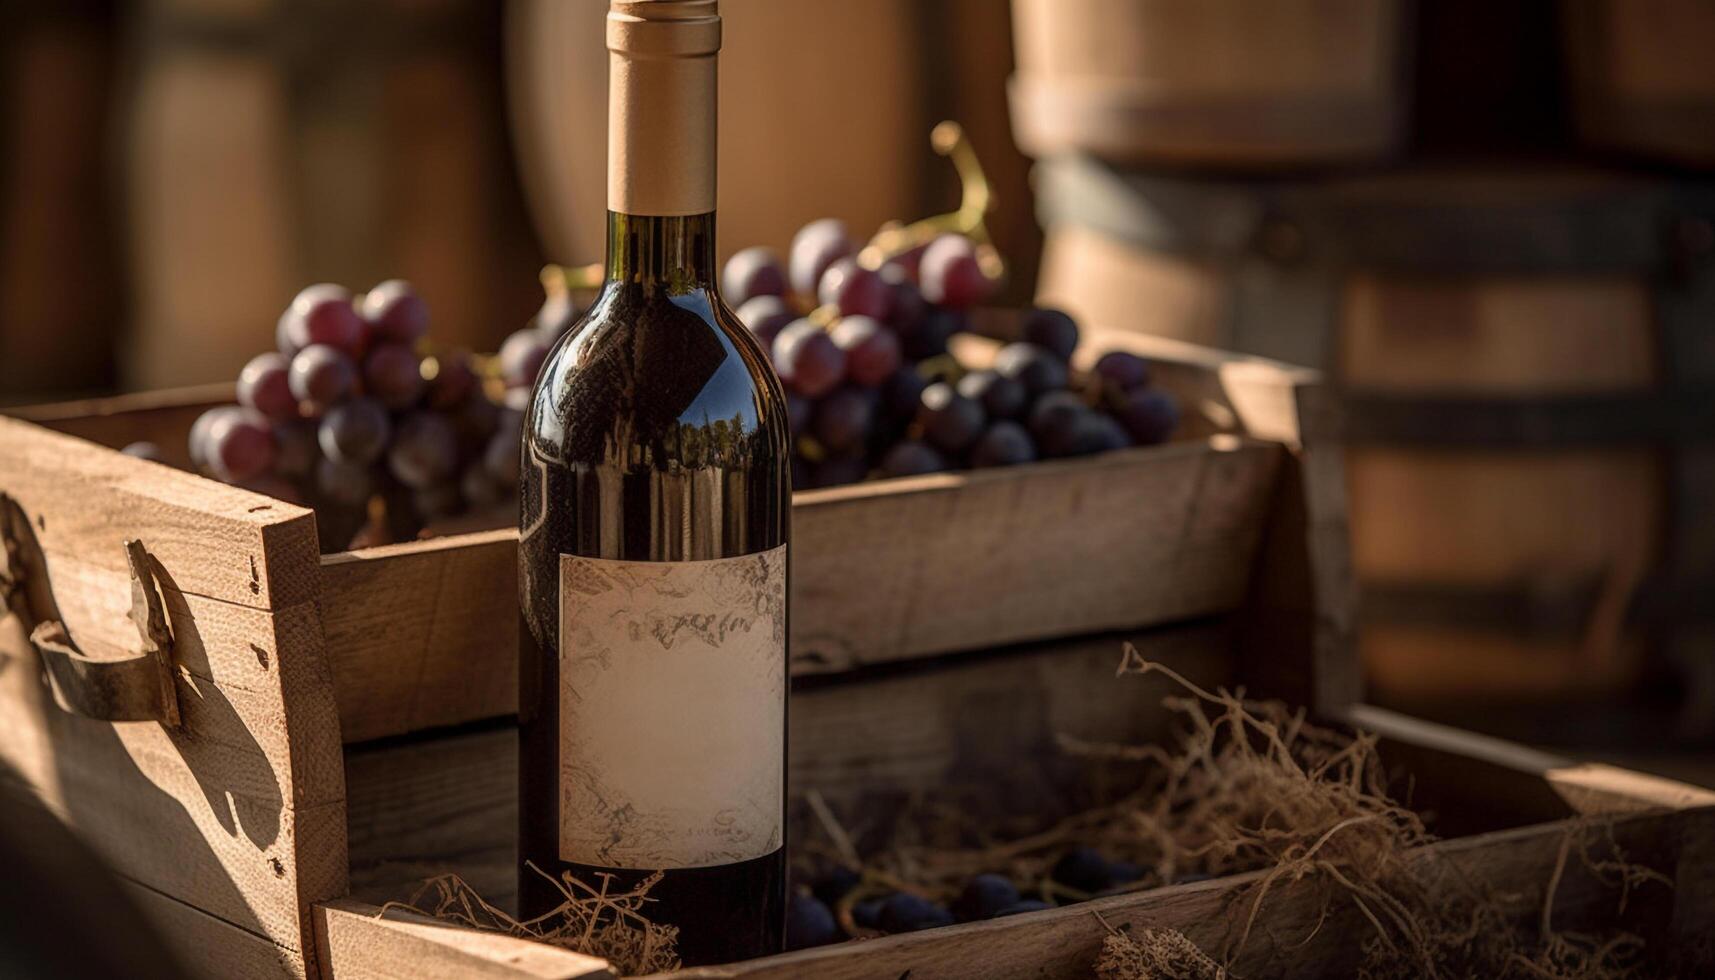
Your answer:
<point x="655" y="500"/>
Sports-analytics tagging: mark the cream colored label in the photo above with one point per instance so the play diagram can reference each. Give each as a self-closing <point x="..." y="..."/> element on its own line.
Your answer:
<point x="672" y="710"/>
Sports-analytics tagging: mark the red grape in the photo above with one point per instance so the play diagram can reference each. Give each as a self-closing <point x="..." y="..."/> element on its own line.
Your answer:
<point x="906" y="307"/>
<point x="951" y="422"/>
<point x="262" y="385"/>
<point x="425" y="452"/>
<point x="320" y="375"/>
<point x="502" y="456"/>
<point x="1051" y="330"/>
<point x="1037" y="368"/>
<point x="240" y="445"/>
<point x="854" y="290"/>
<point x="393" y="373"/>
<point x="521" y="358"/>
<point x="750" y="273"/>
<point x="808" y="360"/>
<point x="900" y="393"/>
<point x="1000" y="396"/>
<point x="1052" y="420"/>
<point x="765" y="317"/>
<point x="475" y="421"/>
<point x="347" y="484"/>
<point x="322" y="314"/>
<point x="817" y="245"/>
<point x="296" y="448"/>
<point x="798" y="409"/>
<point x="1149" y="416"/>
<point x="950" y="274"/>
<point x="872" y="351"/>
<point x="1005" y="443"/>
<point x="912" y="458"/>
<point x="355" y="431"/>
<point x="929" y="336"/>
<point x="451" y="380"/>
<point x="198" y="444"/>
<point x="1123" y="370"/>
<point x="842" y="419"/>
<point x="395" y="312"/>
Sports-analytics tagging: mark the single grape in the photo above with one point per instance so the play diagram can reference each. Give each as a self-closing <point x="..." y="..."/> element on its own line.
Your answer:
<point x="750" y="273"/>
<point x="296" y="448"/>
<point x="1005" y="443"/>
<point x="872" y="350"/>
<point x="798" y="412"/>
<point x="929" y="337"/>
<point x="1122" y="370"/>
<point x="1037" y="368"/>
<point x="502" y="457"/>
<point x="479" y="488"/>
<point x="557" y="315"/>
<point x="809" y="923"/>
<point x="867" y="913"/>
<point x="321" y="314"/>
<point x="197" y="445"/>
<point x="393" y="373"/>
<point x="346" y="484"/>
<point x="1053" y="419"/>
<point x="1052" y="330"/>
<point x="984" y="896"/>
<point x="905" y="912"/>
<point x="145" y="450"/>
<point x="395" y="312"/>
<point x="951" y="422"/>
<point x="907" y="307"/>
<point x="1148" y="416"/>
<point x="766" y="316"/>
<point x="817" y="245"/>
<point x="901" y="393"/>
<point x="437" y="502"/>
<point x="287" y="330"/>
<point x="321" y="375"/>
<point x="240" y="445"/>
<point x="950" y="274"/>
<point x="425" y="451"/>
<point x="808" y="360"/>
<point x="1097" y="433"/>
<point x="263" y="386"/>
<point x="355" y="431"/>
<point x="843" y="417"/>
<point x="854" y="290"/>
<point x="912" y="458"/>
<point x="1001" y="397"/>
<point x="1028" y="905"/>
<point x="837" y="471"/>
<point x="450" y="379"/>
<point x="909" y="263"/>
<point x="521" y="357"/>
<point x="1082" y="868"/>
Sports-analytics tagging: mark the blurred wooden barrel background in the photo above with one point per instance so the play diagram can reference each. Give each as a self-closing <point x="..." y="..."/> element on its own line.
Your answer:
<point x="273" y="144"/>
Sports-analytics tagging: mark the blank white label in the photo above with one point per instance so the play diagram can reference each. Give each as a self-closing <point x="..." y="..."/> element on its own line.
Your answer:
<point x="672" y="710"/>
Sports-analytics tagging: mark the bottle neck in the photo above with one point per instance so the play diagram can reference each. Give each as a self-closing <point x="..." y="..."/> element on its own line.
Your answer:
<point x="662" y="81"/>
<point x="677" y="251"/>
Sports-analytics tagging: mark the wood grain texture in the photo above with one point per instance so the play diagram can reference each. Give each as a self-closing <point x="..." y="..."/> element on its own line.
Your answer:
<point x="162" y="417"/>
<point x="356" y="941"/>
<point x="212" y="948"/>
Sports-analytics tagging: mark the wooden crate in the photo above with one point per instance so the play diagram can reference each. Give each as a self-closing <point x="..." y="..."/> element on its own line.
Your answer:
<point x="945" y="630"/>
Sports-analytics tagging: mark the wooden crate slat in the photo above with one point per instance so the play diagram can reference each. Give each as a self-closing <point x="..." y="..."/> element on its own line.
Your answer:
<point x="211" y="540"/>
<point x="354" y="941"/>
<point x="211" y="948"/>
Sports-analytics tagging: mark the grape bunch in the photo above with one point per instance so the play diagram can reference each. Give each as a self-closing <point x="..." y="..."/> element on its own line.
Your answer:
<point x="862" y="348"/>
<point x="348" y="409"/>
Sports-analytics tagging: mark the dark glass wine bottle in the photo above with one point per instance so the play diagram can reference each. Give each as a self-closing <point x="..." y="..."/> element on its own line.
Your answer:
<point x="655" y="503"/>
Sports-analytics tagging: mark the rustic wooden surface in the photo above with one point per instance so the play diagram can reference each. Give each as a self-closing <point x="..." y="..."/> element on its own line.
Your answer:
<point x="162" y="417"/>
<point x="356" y="941"/>
<point x="212" y="948"/>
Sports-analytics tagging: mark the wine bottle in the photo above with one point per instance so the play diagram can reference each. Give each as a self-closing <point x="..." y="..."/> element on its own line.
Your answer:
<point x="655" y="500"/>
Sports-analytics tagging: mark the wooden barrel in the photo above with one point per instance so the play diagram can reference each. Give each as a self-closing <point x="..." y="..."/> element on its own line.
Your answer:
<point x="274" y="145"/>
<point x="1526" y="366"/>
<point x="1642" y="81"/>
<point x="1228" y="83"/>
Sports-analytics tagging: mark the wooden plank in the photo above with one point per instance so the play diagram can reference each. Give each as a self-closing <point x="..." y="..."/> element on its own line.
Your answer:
<point x="424" y="634"/>
<point x="162" y="417"/>
<point x="355" y="941"/>
<point x="212" y="540"/>
<point x="991" y="723"/>
<point x="211" y="948"/>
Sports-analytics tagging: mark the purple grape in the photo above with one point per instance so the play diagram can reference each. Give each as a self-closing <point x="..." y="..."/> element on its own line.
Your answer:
<point x="346" y="484"/>
<point x="929" y="337"/>
<point x="750" y="273"/>
<point x="395" y="312"/>
<point x="1001" y="397"/>
<point x="321" y="314"/>
<point x="1148" y="415"/>
<point x="521" y="358"/>
<point x="843" y="418"/>
<point x="817" y="245"/>
<point x="951" y="422"/>
<point x="425" y="451"/>
<point x="872" y="350"/>
<point x="1005" y="443"/>
<point x="854" y="291"/>
<point x="557" y="315"/>
<point x="984" y="896"/>
<point x="197" y="444"/>
<point x="320" y="376"/>
<point x="1122" y="370"/>
<point x="912" y="458"/>
<point x="950" y="274"/>
<point x="765" y="317"/>
<point x="354" y="432"/>
<point x="393" y="373"/>
<point x="296" y="448"/>
<point x="798" y="410"/>
<point x="901" y="393"/>
<point x="479" y="488"/>
<point x="240" y="445"/>
<point x="909" y="262"/>
<point x="475" y="421"/>
<point x="807" y="359"/>
<point x="263" y="386"/>
<point x="801" y="474"/>
<point x="1052" y="330"/>
<point x="1082" y="868"/>
<point x="1037" y="368"/>
<point x="907" y="307"/>
<point x="837" y="471"/>
<point x="1097" y="433"/>
<point x="809" y="923"/>
<point x="501" y="458"/>
<point x="1053" y="419"/>
<point x="905" y="912"/>
<point x="451" y="380"/>
<point x="145" y="450"/>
